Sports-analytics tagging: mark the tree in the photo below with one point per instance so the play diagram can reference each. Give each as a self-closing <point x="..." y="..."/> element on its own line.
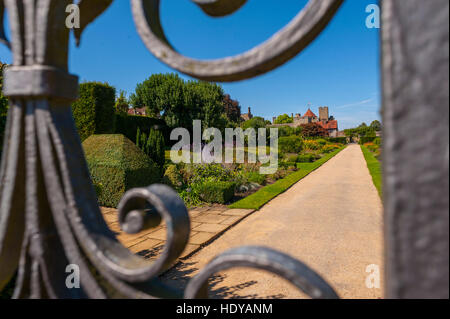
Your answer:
<point x="180" y="102"/>
<point x="284" y="119"/>
<point x="122" y="103"/>
<point x="3" y="99"/>
<point x="376" y="126"/>
<point x="159" y="93"/>
<point x="232" y="108"/>
<point x="362" y="125"/>
<point x="153" y="145"/>
<point x="255" y="122"/>
<point x="313" y="130"/>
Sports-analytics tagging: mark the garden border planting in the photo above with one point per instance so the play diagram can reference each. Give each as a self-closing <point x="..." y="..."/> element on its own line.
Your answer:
<point x="374" y="167"/>
<point x="267" y="193"/>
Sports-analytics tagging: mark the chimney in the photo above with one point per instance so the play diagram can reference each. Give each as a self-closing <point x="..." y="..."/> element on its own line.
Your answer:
<point x="273" y="120"/>
<point x="249" y="112"/>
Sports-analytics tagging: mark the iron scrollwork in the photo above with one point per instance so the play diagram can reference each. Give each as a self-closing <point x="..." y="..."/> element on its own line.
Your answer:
<point x="49" y="216"/>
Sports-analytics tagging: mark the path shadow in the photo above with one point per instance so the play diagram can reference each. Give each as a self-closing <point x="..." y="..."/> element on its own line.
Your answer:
<point x="180" y="275"/>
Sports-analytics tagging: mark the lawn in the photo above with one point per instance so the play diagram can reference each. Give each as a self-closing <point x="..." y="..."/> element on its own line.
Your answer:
<point x="265" y="194"/>
<point x="374" y="167"/>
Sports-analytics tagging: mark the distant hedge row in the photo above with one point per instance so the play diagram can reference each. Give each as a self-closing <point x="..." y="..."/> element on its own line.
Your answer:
<point x="128" y="125"/>
<point x="339" y="140"/>
<point x="94" y="111"/>
<point x="366" y="139"/>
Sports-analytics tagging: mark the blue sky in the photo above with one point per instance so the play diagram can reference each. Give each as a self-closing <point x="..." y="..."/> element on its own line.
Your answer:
<point x="339" y="69"/>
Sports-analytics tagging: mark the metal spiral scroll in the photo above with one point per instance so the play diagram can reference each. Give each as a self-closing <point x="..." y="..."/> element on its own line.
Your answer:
<point x="280" y="48"/>
<point x="49" y="216"/>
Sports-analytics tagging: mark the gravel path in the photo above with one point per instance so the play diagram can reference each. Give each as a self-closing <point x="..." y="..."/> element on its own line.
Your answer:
<point x="331" y="220"/>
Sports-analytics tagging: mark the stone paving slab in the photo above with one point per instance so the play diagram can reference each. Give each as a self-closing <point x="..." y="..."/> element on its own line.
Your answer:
<point x="207" y="223"/>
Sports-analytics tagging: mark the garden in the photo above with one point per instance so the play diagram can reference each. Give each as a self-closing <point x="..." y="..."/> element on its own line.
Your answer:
<point x="124" y="151"/>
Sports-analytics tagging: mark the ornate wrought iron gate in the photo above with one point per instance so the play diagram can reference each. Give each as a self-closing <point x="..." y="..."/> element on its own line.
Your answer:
<point x="49" y="216"/>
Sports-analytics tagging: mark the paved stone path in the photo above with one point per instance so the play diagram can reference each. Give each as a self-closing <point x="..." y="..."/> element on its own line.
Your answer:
<point x="206" y="224"/>
<point x="331" y="220"/>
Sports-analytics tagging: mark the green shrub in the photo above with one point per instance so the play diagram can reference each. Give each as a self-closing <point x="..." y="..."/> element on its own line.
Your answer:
<point x="255" y="177"/>
<point x="128" y="125"/>
<point x="117" y="165"/>
<point x="94" y="111"/>
<point x="329" y="148"/>
<point x="215" y="191"/>
<point x="291" y="158"/>
<point x="290" y="144"/>
<point x="377" y="141"/>
<point x="366" y="139"/>
<point x="153" y="145"/>
<point x="200" y="172"/>
<point x="173" y="176"/>
<point x="307" y="158"/>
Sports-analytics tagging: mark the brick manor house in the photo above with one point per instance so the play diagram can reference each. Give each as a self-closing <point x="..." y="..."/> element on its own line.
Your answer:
<point x="324" y="119"/>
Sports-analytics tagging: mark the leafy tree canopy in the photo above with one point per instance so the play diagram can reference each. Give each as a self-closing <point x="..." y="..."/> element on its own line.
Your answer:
<point x="313" y="130"/>
<point x="376" y="125"/>
<point x="255" y="122"/>
<point x="284" y="119"/>
<point x="232" y="109"/>
<point x="180" y="102"/>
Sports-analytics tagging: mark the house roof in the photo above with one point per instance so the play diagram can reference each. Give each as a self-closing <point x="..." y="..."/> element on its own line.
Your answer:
<point x="309" y="113"/>
<point x="330" y="125"/>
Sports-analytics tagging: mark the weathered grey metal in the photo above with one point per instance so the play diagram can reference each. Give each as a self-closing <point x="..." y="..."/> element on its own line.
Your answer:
<point x="280" y="48"/>
<point x="415" y="64"/>
<point x="49" y="216"/>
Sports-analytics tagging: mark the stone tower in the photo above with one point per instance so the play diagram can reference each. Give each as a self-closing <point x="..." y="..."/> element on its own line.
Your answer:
<point x="323" y="113"/>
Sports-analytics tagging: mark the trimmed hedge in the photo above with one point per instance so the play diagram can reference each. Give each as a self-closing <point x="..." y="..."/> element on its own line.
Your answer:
<point x="128" y="125"/>
<point x="339" y="140"/>
<point x="366" y="139"/>
<point x="117" y="165"/>
<point x="216" y="192"/>
<point x="94" y="111"/>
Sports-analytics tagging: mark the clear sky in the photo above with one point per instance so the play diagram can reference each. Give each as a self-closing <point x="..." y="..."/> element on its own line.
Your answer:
<point x="340" y="69"/>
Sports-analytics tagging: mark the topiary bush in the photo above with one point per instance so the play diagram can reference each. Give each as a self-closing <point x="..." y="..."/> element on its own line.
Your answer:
<point x="94" y="111"/>
<point x="290" y="144"/>
<point x="215" y="191"/>
<point x="117" y="165"/>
